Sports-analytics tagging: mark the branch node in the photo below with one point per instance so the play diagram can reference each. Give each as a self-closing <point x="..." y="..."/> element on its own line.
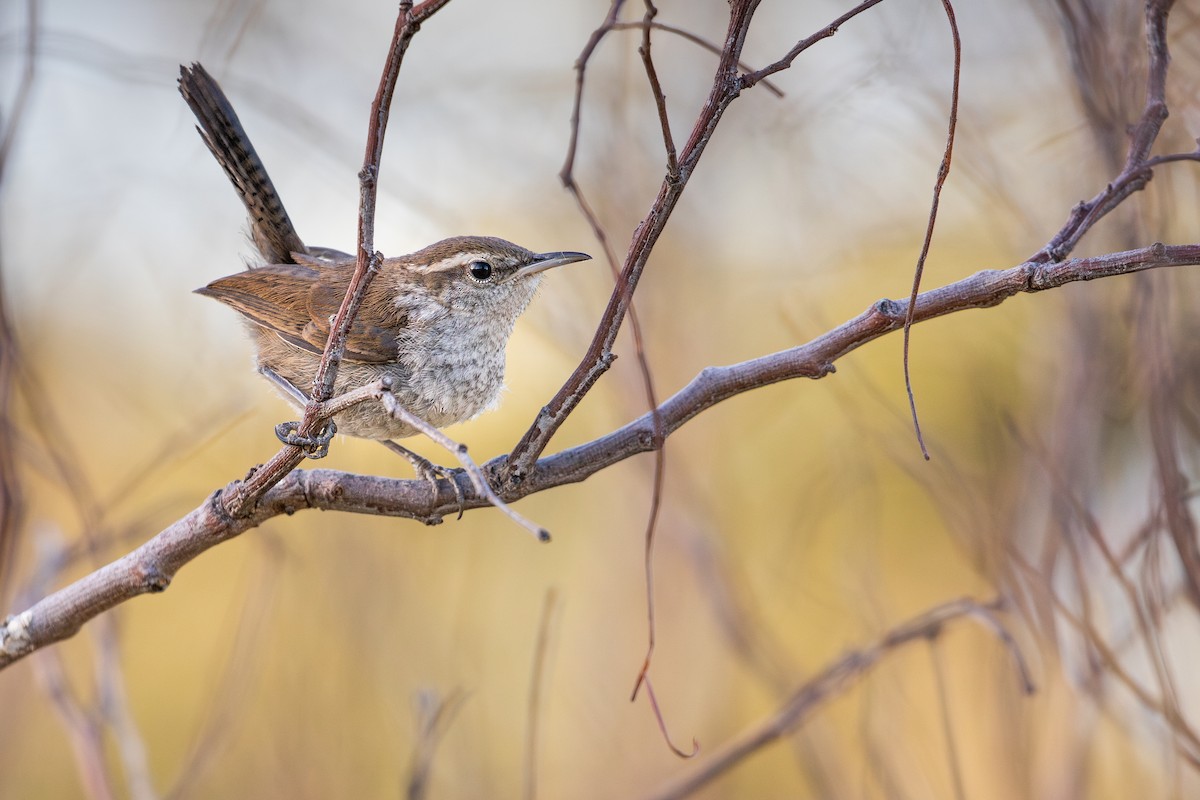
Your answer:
<point x="890" y="308"/>
<point x="153" y="579"/>
<point x="15" y="640"/>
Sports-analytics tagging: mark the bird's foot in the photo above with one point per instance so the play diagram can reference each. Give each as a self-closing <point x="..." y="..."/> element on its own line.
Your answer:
<point x="315" y="446"/>
<point x="431" y="472"/>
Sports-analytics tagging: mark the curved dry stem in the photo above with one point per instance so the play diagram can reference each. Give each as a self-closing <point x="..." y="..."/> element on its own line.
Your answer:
<point x="827" y="684"/>
<point x="942" y="173"/>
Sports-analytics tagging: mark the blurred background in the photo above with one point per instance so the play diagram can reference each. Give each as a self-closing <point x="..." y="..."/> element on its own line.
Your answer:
<point x="328" y="655"/>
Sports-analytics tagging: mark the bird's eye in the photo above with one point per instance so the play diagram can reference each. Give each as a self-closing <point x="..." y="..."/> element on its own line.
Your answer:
<point x="481" y="270"/>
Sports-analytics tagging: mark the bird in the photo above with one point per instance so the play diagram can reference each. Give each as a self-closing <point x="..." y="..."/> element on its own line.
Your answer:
<point x="434" y="324"/>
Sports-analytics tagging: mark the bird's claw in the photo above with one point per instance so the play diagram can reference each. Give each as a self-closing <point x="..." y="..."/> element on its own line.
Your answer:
<point x="316" y="446"/>
<point x="430" y="472"/>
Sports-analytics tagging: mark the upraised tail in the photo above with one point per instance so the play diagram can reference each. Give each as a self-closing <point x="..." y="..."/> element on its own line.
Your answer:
<point x="271" y="228"/>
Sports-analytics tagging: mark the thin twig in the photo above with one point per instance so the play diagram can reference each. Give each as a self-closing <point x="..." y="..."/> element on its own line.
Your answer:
<point x="943" y="695"/>
<point x="753" y="78"/>
<point x="537" y="679"/>
<point x="83" y="729"/>
<point x="660" y="99"/>
<point x="434" y="716"/>
<point x="694" y="39"/>
<point x="942" y="174"/>
<point x="11" y="494"/>
<point x="260" y="480"/>
<point x="567" y="173"/>
<point x="381" y="391"/>
<point x="726" y="87"/>
<point x="662" y="722"/>
<point x="478" y="480"/>
<point x="114" y="708"/>
<point x="1138" y="168"/>
<point x="660" y="102"/>
<point x="830" y="682"/>
<point x="1187" y="740"/>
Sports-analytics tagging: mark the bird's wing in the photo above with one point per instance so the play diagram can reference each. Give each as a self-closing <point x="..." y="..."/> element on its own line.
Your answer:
<point x="302" y="300"/>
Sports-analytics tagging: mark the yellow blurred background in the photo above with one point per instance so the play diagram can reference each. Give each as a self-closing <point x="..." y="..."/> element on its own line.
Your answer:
<point x="799" y="521"/>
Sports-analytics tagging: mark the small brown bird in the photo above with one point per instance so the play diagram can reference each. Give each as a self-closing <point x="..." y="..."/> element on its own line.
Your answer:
<point x="436" y="322"/>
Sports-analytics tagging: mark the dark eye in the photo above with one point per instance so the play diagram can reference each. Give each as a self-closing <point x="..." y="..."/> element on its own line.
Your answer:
<point x="481" y="270"/>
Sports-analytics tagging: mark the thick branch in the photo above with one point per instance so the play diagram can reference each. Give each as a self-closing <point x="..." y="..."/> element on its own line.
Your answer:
<point x="151" y="567"/>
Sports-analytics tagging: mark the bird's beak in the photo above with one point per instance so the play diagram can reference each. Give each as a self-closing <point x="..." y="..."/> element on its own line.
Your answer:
<point x="544" y="261"/>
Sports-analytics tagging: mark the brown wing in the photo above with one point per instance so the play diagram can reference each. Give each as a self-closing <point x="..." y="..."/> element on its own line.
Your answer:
<point x="298" y="302"/>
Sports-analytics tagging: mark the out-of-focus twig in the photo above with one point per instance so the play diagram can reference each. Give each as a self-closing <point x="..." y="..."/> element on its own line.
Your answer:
<point x="434" y="716"/>
<point x="11" y="504"/>
<point x="537" y="679"/>
<point x="833" y="680"/>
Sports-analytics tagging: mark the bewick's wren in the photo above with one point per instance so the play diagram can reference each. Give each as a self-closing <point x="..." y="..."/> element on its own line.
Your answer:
<point x="436" y="321"/>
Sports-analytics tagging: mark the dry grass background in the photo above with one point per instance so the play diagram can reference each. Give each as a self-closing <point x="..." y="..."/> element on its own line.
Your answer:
<point x="799" y="520"/>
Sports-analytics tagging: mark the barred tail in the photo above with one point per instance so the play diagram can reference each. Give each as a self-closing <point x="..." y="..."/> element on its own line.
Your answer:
<point x="270" y="227"/>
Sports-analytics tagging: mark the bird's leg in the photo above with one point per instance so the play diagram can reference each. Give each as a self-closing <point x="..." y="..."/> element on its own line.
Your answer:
<point x="459" y="450"/>
<point x="286" y="431"/>
<point x="430" y="472"/>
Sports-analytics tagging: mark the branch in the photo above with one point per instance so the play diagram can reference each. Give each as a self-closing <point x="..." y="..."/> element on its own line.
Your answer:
<point x="151" y="567"/>
<point x="11" y="496"/>
<point x="261" y="479"/>
<point x="835" y="679"/>
<point x="725" y="89"/>
<point x="1139" y="167"/>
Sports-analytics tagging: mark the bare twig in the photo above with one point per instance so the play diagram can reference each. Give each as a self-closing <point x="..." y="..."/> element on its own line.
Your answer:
<point x="1139" y="167"/>
<point x="459" y="451"/>
<point x="939" y="182"/>
<point x="114" y="709"/>
<point x="725" y="89"/>
<point x="694" y="39"/>
<point x="11" y="501"/>
<point x="83" y="728"/>
<point x="261" y="479"/>
<point x="434" y="716"/>
<point x="537" y="678"/>
<point x="660" y="99"/>
<point x="1186" y="739"/>
<point x="833" y="680"/>
<point x="752" y="78"/>
<point x="662" y="722"/>
<point x="943" y="695"/>
<point x="660" y="453"/>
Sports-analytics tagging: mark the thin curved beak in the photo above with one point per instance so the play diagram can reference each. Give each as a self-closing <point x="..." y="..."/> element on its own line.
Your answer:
<point x="544" y="261"/>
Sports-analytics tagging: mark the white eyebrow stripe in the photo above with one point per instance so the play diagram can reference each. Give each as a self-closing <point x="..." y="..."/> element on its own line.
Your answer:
<point x="458" y="260"/>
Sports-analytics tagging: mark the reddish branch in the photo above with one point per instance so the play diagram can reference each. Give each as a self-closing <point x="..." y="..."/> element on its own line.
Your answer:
<point x="942" y="173"/>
